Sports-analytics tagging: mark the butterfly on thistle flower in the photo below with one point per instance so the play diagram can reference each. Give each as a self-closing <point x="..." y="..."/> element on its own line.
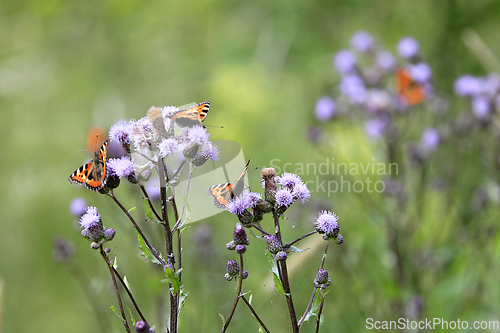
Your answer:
<point x="408" y="90"/>
<point x="224" y="192"/>
<point x="192" y="116"/>
<point x="94" y="173"/>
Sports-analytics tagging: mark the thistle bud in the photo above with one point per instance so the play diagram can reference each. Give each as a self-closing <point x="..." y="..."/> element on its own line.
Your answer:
<point x="322" y="280"/>
<point x="109" y="234"/>
<point x="281" y="256"/>
<point x="268" y="175"/>
<point x="240" y="249"/>
<point x="240" y="236"/>
<point x="232" y="267"/>
<point x="273" y="244"/>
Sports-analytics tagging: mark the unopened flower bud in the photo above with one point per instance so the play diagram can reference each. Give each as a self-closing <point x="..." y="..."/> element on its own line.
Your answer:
<point x="141" y="327"/>
<point x="145" y="175"/>
<point x="240" y="236"/>
<point x="109" y="234"/>
<point x="191" y="150"/>
<point x="200" y="159"/>
<point x="104" y="189"/>
<point x="340" y="239"/>
<point x="230" y="246"/>
<point x="281" y="256"/>
<point x="113" y="181"/>
<point x="245" y="217"/>
<point x="232" y="267"/>
<point x="240" y="249"/>
<point x="132" y="178"/>
<point x="94" y="245"/>
<point x="322" y="280"/>
<point x="244" y="274"/>
<point x="273" y="244"/>
<point x="228" y="277"/>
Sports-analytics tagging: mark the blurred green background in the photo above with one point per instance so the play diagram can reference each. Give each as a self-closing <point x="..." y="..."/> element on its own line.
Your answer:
<point x="67" y="65"/>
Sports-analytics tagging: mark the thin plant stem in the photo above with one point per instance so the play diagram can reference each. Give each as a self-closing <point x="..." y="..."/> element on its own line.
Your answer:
<point x="256" y="226"/>
<point x="238" y="295"/>
<point x="178" y="221"/>
<point x="117" y="290"/>
<point x="126" y="289"/>
<point x="299" y="239"/>
<point x="318" y="319"/>
<point x="143" y="189"/>
<point x="255" y="314"/>
<point x="136" y="226"/>
<point x="284" y="278"/>
<point x="301" y="321"/>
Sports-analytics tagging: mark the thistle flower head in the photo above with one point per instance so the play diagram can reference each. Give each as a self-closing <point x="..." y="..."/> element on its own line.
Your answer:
<point x="325" y="109"/>
<point x="232" y="267"/>
<point x="345" y="62"/>
<point x="421" y="72"/>
<point x="408" y="48"/>
<point x="322" y="280"/>
<point x="301" y="192"/>
<point x="273" y="244"/>
<point x="354" y="88"/>
<point x="430" y="139"/>
<point x="240" y="236"/>
<point x="288" y="180"/>
<point x="122" y="167"/>
<point x="362" y="41"/>
<point x="121" y="132"/>
<point x="284" y="197"/>
<point x="168" y="147"/>
<point x="91" y="216"/>
<point x="326" y="223"/>
<point x="385" y="61"/>
<point x="198" y="135"/>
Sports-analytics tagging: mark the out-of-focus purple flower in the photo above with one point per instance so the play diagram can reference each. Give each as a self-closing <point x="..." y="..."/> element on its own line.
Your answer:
<point x="353" y="87"/>
<point x="211" y="151"/>
<point x="377" y="101"/>
<point x="497" y="103"/>
<point x="374" y="128"/>
<point x="430" y="139"/>
<point x="198" y="135"/>
<point x="481" y="107"/>
<point x="326" y="223"/>
<point x="121" y="132"/>
<point x="345" y="62"/>
<point x="468" y="85"/>
<point x="300" y="191"/>
<point x="77" y="206"/>
<point x="325" y="109"/>
<point x="288" y="180"/>
<point x="408" y="48"/>
<point x="492" y="85"/>
<point x="168" y="147"/>
<point x="385" y="60"/>
<point x="122" y="167"/>
<point x="421" y="72"/>
<point x="284" y="197"/>
<point x="362" y="41"/>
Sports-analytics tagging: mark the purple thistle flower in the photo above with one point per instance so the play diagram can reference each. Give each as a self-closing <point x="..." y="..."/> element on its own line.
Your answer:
<point x="122" y="167"/>
<point x="90" y="217"/>
<point x="345" y="62"/>
<point x="210" y="150"/>
<point x="168" y="147"/>
<point x="77" y="206"/>
<point x="300" y="191"/>
<point x="324" y="109"/>
<point x="468" y="85"/>
<point x="121" y="132"/>
<point x="481" y="107"/>
<point x="362" y="41"/>
<point x="353" y="87"/>
<point x="326" y="223"/>
<point x="288" y="180"/>
<point x="408" y="48"/>
<point x="374" y="128"/>
<point x="385" y="60"/>
<point x="497" y="103"/>
<point x="238" y="205"/>
<point x="492" y="85"/>
<point x="252" y="198"/>
<point x="377" y="101"/>
<point x="141" y="134"/>
<point x="421" y="72"/>
<point x="430" y="139"/>
<point x="198" y="135"/>
<point x="284" y="197"/>
<point x="168" y="111"/>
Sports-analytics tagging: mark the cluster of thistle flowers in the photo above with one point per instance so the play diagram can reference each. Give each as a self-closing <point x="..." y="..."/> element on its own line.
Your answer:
<point x="368" y="84"/>
<point x="156" y="137"/>
<point x="279" y="194"/>
<point x="483" y="93"/>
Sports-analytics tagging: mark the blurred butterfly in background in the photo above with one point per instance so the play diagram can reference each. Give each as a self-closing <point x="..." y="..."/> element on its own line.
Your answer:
<point x="224" y="192"/>
<point x="192" y="116"/>
<point x="408" y="90"/>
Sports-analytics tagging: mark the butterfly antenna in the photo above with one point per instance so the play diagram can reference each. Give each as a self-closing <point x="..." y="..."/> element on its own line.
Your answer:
<point x="214" y="126"/>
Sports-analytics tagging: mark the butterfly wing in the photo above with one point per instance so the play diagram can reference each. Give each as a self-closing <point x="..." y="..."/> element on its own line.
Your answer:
<point x="224" y="192"/>
<point x="195" y="115"/>
<point x="94" y="173"/>
<point x="410" y="91"/>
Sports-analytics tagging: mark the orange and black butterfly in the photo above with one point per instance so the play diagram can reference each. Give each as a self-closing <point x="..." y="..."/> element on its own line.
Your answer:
<point x="408" y="90"/>
<point x="224" y="192"/>
<point x="93" y="174"/>
<point x="192" y="116"/>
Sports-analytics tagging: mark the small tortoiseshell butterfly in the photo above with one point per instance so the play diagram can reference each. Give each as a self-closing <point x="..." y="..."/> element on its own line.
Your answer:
<point x="224" y="192"/>
<point x="94" y="173"/>
<point x="191" y="116"/>
<point x="410" y="91"/>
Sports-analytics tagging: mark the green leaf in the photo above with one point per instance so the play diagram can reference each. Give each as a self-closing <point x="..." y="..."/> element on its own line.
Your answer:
<point x="274" y="268"/>
<point x="182" y="300"/>
<point x="223" y="320"/>
<point x="115" y="263"/>
<point x="296" y="249"/>
<point x="126" y="283"/>
<point x="146" y="253"/>
<point x="173" y="279"/>
<point x="131" y="316"/>
<point x="149" y="212"/>
<point x="313" y="311"/>
<point x="132" y="209"/>
<point x="187" y="213"/>
<point x="115" y="311"/>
